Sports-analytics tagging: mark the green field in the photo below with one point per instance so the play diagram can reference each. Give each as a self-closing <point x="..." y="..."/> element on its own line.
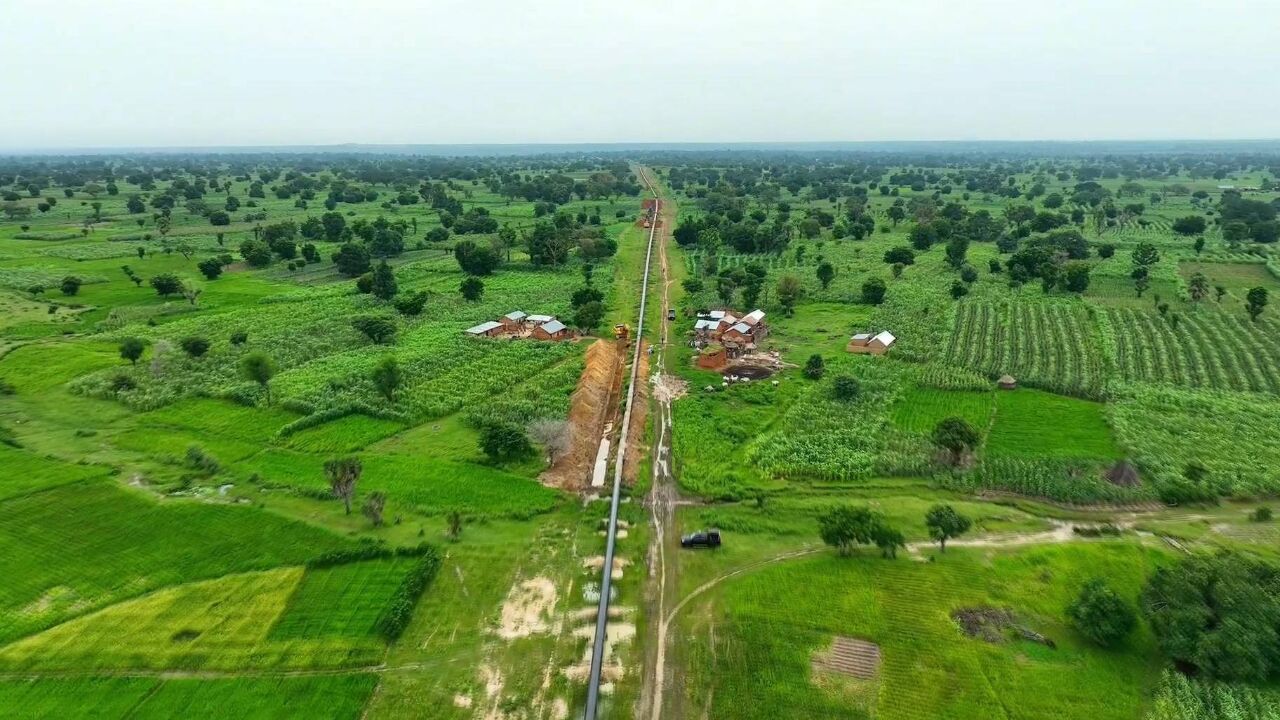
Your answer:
<point x="178" y="540"/>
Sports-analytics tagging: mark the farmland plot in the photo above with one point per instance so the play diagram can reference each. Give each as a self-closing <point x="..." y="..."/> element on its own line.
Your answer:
<point x="1053" y="345"/>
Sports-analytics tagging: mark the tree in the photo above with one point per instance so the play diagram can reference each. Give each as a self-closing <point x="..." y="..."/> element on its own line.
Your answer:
<point x="1189" y="225"/>
<point x="475" y="260"/>
<point x="504" y="441"/>
<point x="956" y="436"/>
<point x="1101" y="615"/>
<point x="1256" y="302"/>
<point x="383" y="286"/>
<point x="553" y="435"/>
<point x="588" y="315"/>
<point x="352" y="259"/>
<point x="815" y="367"/>
<point x="900" y="255"/>
<point x="373" y="507"/>
<point x="957" y="248"/>
<point x="256" y="253"/>
<point x="1106" y="250"/>
<point x="211" y="268"/>
<point x="1219" y="614"/>
<point x="547" y="246"/>
<point x="888" y="539"/>
<point x="166" y="284"/>
<point x="239" y="337"/>
<point x="1198" y="287"/>
<point x="71" y="285"/>
<point x="131" y="349"/>
<point x="846" y="387"/>
<point x="472" y="288"/>
<point x="959" y="290"/>
<point x="945" y="523"/>
<point x="844" y="527"/>
<point x="195" y="346"/>
<point x="1145" y="255"/>
<point x="788" y="293"/>
<point x="259" y="368"/>
<point x="826" y="273"/>
<point x="873" y="290"/>
<point x="343" y="473"/>
<point x="387" y="377"/>
<point x="378" y="328"/>
<point x="219" y="217"/>
<point x="1077" y="277"/>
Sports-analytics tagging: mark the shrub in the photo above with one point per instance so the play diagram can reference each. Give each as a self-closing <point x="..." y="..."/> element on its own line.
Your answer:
<point x="815" y="367"/>
<point x="1262" y="514"/>
<point x="195" y="346"/>
<point x="846" y="387"/>
<point x="1101" y="615"/>
<point x="377" y="328"/>
<point x="411" y="305"/>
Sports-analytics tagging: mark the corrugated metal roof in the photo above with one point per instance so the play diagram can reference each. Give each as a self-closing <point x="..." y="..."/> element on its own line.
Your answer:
<point x="706" y="325"/>
<point x="540" y="318"/>
<point x="861" y="336"/>
<point x="743" y="328"/>
<point x="554" y="326"/>
<point x="483" y="327"/>
<point x="885" y="337"/>
<point x="753" y="317"/>
<point x="515" y="315"/>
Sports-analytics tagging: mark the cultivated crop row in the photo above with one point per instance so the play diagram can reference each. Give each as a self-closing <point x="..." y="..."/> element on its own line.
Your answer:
<point x="1046" y="344"/>
<point x="1199" y="349"/>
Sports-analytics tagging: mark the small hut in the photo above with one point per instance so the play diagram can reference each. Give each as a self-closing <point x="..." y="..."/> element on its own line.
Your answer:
<point x="1007" y="382"/>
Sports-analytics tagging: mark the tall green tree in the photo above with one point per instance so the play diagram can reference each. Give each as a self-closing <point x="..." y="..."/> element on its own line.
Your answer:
<point x="945" y="523"/>
<point x="343" y="474"/>
<point x="383" y="285"/>
<point x="260" y="368"/>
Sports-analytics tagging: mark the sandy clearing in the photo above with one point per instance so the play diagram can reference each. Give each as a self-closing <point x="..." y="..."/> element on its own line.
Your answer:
<point x="528" y="609"/>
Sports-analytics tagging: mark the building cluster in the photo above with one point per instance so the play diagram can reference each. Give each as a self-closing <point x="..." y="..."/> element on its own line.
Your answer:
<point x="721" y="335"/>
<point x="518" y="324"/>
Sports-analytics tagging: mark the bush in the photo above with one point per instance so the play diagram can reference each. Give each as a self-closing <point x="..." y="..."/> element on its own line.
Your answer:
<point x="873" y="291"/>
<point x="411" y="304"/>
<point x="847" y="388"/>
<point x="377" y="328"/>
<point x="1262" y="514"/>
<point x="195" y="346"/>
<point x="815" y="367"/>
<point x="1101" y="615"/>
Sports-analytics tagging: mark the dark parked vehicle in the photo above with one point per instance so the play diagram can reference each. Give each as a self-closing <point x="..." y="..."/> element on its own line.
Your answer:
<point x="702" y="538"/>
<point x="671" y="314"/>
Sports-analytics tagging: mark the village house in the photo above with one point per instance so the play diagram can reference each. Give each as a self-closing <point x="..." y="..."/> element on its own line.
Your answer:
<point x="513" y="320"/>
<point x="551" y="330"/>
<point x="877" y="344"/>
<point x="485" y="329"/>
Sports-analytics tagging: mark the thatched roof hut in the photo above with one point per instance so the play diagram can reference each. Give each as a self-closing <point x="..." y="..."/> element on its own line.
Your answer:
<point x="1007" y="382"/>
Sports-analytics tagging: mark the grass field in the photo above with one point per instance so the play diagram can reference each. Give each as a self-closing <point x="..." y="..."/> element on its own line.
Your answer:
<point x="174" y="546"/>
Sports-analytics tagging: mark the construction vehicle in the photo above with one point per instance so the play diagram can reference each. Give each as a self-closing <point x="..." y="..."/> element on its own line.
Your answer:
<point x="621" y="331"/>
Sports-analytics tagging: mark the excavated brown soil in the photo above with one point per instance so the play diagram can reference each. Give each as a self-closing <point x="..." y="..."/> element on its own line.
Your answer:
<point x="593" y="404"/>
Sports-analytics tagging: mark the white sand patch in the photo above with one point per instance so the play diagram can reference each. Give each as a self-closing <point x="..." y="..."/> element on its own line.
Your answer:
<point x="528" y="609"/>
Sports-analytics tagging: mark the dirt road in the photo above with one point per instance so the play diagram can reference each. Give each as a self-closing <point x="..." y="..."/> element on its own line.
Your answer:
<point x="664" y="543"/>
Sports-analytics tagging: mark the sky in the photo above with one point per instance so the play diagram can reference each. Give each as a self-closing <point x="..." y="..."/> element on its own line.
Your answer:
<point x="146" y="73"/>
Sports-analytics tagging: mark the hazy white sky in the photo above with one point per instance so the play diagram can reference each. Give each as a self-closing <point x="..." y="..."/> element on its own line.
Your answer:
<point x="238" y="72"/>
